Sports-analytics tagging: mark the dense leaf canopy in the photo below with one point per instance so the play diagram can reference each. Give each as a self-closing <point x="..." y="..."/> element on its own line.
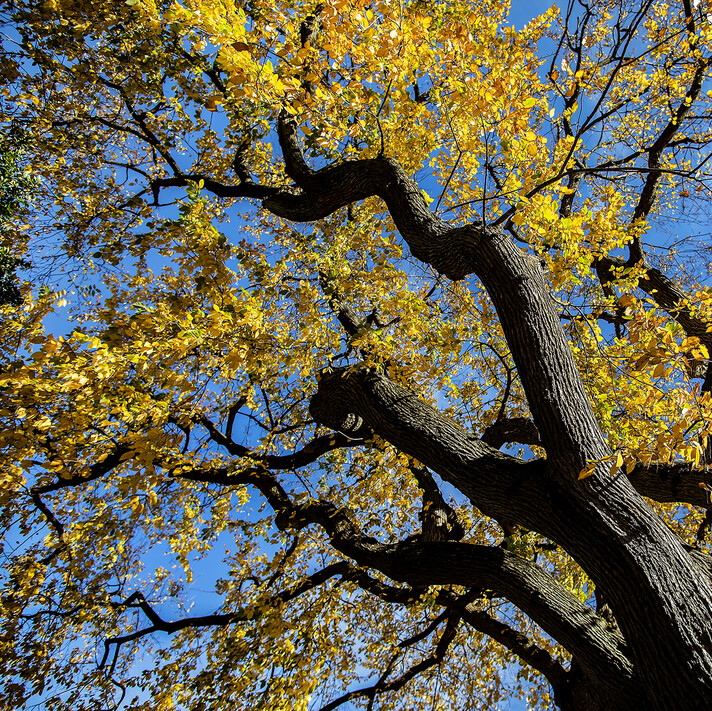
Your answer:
<point x="364" y="360"/>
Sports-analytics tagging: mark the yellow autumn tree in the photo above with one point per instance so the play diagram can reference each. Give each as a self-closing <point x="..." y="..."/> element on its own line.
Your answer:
<point x="300" y="272"/>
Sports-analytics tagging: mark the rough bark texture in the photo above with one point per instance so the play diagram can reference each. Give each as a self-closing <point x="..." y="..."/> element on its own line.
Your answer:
<point x="658" y="589"/>
<point x="660" y="600"/>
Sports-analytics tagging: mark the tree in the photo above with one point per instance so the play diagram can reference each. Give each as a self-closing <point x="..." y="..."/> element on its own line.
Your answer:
<point x="285" y="348"/>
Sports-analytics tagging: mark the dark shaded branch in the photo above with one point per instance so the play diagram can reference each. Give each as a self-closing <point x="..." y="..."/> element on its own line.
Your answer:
<point x="301" y="458"/>
<point x="158" y="624"/>
<point x="96" y="470"/>
<point x="519" y="430"/>
<point x="139" y="117"/>
<point x="387" y="593"/>
<point x="514" y="578"/>
<point x="427" y="631"/>
<point x="517" y="642"/>
<point x="51" y="613"/>
<point x="309" y="29"/>
<point x="49" y="515"/>
<point x="648" y="194"/>
<point x="382" y="687"/>
<point x="212" y="72"/>
<point x="279" y="568"/>
<point x="240" y="164"/>
<point x="331" y="188"/>
<point x="557" y="611"/>
<point x="567" y="200"/>
<point x="560" y="613"/>
<point x="256" y="476"/>
<point x="226" y="441"/>
<point x="242" y="190"/>
<point x="232" y="413"/>
<point x="312" y="451"/>
<point x="498" y="484"/>
<point x="668" y="483"/>
<point x="345" y="315"/>
<point x="55" y="523"/>
<point x="439" y="521"/>
<point x="419" y="97"/>
<point x="704" y="526"/>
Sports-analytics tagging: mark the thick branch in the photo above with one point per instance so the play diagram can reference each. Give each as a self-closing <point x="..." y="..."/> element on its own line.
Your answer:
<point x="329" y="189"/>
<point x="498" y="484"/>
<point x="668" y="483"/>
<point x="556" y="610"/>
<point x="526" y="586"/>
<point x="519" y="430"/>
<point x="560" y="613"/>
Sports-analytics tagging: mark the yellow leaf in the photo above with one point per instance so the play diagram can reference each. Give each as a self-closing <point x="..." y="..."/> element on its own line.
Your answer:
<point x="700" y="353"/>
<point x="212" y="102"/>
<point x="587" y="471"/>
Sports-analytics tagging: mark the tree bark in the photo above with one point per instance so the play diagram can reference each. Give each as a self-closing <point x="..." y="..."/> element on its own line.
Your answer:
<point x="662" y="605"/>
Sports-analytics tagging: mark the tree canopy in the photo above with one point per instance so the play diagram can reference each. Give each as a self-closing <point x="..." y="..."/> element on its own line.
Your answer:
<point x="365" y="356"/>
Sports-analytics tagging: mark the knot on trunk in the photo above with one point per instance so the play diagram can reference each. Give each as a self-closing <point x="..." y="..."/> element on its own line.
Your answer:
<point x="332" y="405"/>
